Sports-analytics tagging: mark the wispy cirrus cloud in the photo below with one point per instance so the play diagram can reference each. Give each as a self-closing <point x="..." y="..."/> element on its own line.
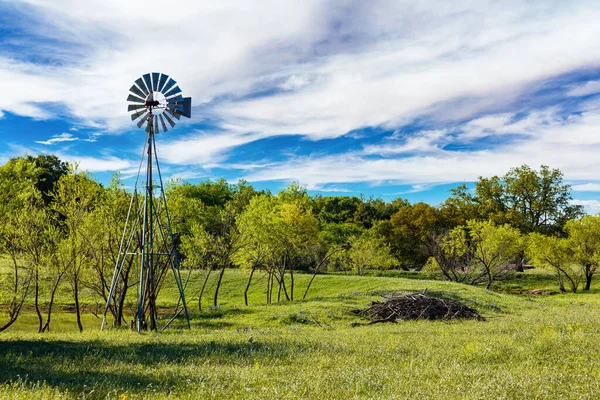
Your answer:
<point x="591" y="206"/>
<point x="585" y="89"/>
<point x="65" y="137"/>
<point x="470" y="88"/>
<point x="566" y="143"/>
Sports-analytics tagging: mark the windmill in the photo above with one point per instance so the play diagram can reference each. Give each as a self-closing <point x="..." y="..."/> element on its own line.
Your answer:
<point x="148" y="240"/>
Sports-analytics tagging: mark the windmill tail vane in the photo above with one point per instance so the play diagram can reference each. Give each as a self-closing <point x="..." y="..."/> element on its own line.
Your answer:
<point x="148" y="242"/>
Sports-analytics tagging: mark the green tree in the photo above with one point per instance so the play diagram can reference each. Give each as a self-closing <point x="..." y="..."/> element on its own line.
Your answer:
<point x="50" y="169"/>
<point x="367" y="251"/>
<point x="102" y="232"/>
<point x="493" y="247"/>
<point x="532" y="201"/>
<point x="412" y="227"/>
<point x="555" y="254"/>
<point x="451" y="255"/>
<point x="75" y="196"/>
<point x="335" y="209"/>
<point x="584" y="240"/>
<point x="213" y="250"/>
<point x="277" y="232"/>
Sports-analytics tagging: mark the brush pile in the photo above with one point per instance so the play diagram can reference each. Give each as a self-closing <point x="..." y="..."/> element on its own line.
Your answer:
<point x="415" y="307"/>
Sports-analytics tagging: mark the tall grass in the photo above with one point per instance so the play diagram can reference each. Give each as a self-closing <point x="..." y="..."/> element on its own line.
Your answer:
<point x="529" y="347"/>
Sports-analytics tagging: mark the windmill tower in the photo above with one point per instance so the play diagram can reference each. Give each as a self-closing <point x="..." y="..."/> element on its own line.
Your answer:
<point x="148" y="240"/>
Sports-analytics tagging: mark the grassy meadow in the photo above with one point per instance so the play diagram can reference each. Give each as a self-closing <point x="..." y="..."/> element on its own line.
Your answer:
<point x="530" y="347"/>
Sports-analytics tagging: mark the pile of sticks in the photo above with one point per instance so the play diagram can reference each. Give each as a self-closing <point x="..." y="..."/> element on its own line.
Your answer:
<point x="415" y="307"/>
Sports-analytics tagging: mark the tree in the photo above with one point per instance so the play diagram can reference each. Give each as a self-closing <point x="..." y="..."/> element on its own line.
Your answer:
<point x="74" y="199"/>
<point x="185" y="206"/>
<point x="39" y="236"/>
<point x="452" y="256"/>
<point x="368" y="250"/>
<point x="213" y="250"/>
<point x="102" y="231"/>
<point x="584" y="240"/>
<point x="333" y="233"/>
<point x="277" y="232"/>
<point x="50" y="169"/>
<point x="493" y="247"/>
<point x="16" y="284"/>
<point x="532" y="201"/>
<point x="335" y="209"/>
<point x="412" y="228"/>
<point x="555" y="254"/>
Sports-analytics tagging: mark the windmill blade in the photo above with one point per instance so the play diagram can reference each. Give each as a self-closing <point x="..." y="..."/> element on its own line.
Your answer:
<point x="169" y="120"/>
<point x="155" y="76"/>
<point x="162" y="122"/>
<point x="133" y="107"/>
<point x="135" y="99"/>
<point x="173" y="91"/>
<point x="141" y="122"/>
<point x="162" y="81"/>
<point x="134" y="89"/>
<point x="142" y="85"/>
<point x="173" y="114"/>
<point x="187" y="107"/>
<point x="156" y="127"/>
<point x="138" y="114"/>
<point x="168" y="85"/>
<point x="148" y="81"/>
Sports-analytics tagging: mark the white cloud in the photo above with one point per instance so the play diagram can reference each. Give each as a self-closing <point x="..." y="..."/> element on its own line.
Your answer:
<point x="95" y="164"/>
<point x="406" y="76"/>
<point x="571" y="145"/>
<point x="590" y="87"/>
<point x="420" y="142"/>
<point x="202" y="148"/>
<point x="586" y="187"/>
<point x="342" y="67"/>
<point x="331" y="69"/>
<point x="591" y="206"/>
<point x="63" y="137"/>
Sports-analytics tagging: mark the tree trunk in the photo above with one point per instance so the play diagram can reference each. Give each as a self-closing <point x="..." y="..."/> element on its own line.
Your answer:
<point x="268" y="286"/>
<point x="310" y="283"/>
<point x="76" y="298"/>
<point x="292" y="283"/>
<point x="46" y="327"/>
<point x="218" y="286"/>
<point x="588" y="279"/>
<point x="9" y="323"/>
<point x="37" y="299"/>
<point x="279" y="291"/>
<point x="519" y="263"/>
<point x="248" y="285"/>
<point x="202" y="290"/>
<point x="285" y="292"/>
<point x="559" y="280"/>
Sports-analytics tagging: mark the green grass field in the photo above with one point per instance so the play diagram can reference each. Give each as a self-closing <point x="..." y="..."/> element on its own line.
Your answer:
<point x="529" y="347"/>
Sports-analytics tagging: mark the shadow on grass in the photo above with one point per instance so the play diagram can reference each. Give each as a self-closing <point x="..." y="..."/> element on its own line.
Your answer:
<point x="105" y="367"/>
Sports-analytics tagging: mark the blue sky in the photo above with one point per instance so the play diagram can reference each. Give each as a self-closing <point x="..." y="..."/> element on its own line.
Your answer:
<point x="384" y="98"/>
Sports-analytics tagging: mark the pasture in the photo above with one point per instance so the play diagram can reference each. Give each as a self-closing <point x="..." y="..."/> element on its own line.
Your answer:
<point x="529" y="347"/>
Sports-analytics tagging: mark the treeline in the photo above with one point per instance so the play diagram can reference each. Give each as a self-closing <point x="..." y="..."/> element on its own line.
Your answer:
<point x="60" y="228"/>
